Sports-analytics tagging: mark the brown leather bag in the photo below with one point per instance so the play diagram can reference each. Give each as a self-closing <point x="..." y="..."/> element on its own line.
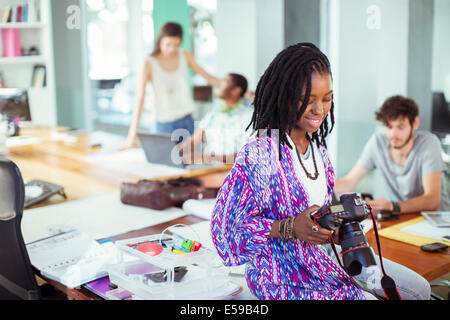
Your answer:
<point x="160" y="195"/>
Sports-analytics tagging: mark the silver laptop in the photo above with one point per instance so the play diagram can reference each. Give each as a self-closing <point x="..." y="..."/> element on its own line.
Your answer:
<point x="161" y="149"/>
<point x="438" y="218"/>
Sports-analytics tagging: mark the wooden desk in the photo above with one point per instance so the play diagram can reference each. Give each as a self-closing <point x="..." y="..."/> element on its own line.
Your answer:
<point x="64" y="163"/>
<point x="83" y="293"/>
<point x="428" y="265"/>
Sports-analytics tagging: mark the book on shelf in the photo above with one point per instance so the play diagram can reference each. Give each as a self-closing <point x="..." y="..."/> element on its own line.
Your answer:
<point x="2" y="80"/>
<point x="6" y="14"/>
<point x="26" y="12"/>
<point x="11" y="42"/>
<point x="19" y="14"/>
<point x="39" y="77"/>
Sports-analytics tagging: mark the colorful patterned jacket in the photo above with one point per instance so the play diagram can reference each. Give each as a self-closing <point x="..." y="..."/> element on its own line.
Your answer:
<point x="258" y="190"/>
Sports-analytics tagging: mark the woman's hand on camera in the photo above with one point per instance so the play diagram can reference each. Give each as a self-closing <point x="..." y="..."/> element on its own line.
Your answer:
<point x="305" y="227"/>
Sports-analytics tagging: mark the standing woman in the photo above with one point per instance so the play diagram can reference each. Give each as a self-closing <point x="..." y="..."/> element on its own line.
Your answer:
<point x="262" y="213"/>
<point x="166" y="69"/>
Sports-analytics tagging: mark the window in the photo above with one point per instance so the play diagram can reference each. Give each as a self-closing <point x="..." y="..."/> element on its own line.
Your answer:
<point x="204" y="36"/>
<point x="114" y="48"/>
<point x="107" y="34"/>
<point x="147" y="26"/>
<point x="113" y="54"/>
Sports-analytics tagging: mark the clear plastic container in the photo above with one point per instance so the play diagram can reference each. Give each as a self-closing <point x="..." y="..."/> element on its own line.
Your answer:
<point x="136" y="277"/>
<point x="167" y="259"/>
<point x="158" y="276"/>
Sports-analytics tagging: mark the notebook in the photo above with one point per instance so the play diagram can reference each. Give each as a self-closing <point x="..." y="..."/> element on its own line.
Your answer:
<point x="102" y="288"/>
<point x="72" y="258"/>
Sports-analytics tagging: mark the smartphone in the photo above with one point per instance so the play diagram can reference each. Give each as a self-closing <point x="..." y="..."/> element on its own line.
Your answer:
<point x="434" y="247"/>
<point x="385" y="215"/>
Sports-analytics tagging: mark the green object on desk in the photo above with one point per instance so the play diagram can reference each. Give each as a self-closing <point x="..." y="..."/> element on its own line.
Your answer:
<point x="186" y="245"/>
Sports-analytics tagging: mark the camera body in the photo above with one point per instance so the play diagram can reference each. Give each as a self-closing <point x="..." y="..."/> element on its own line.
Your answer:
<point x="346" y="216"/>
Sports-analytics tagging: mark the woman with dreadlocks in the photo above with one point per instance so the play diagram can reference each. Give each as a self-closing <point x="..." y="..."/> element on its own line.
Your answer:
<point x="262" y="213"/>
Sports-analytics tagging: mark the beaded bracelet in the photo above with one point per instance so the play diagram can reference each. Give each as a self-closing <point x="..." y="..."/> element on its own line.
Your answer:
<point x="286" y="229"/>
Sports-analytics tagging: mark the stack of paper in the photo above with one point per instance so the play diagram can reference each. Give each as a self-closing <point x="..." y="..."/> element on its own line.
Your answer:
<point x="72" y="258"/>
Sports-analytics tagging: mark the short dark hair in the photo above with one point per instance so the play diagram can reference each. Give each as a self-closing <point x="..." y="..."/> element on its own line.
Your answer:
<point x="397" y="106"/>
<point x="240" y="81"/>
<point x="279" y="91"/>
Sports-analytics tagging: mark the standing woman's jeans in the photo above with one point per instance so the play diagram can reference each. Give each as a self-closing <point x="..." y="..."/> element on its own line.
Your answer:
<point x="169" y="127"/>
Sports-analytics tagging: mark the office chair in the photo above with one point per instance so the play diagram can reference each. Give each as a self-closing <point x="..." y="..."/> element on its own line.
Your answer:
<point x="17" y="280"/>
<point x="440" y="116"/>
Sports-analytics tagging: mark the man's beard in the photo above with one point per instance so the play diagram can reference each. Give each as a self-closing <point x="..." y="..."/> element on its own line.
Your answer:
<point x="406" y="142"/>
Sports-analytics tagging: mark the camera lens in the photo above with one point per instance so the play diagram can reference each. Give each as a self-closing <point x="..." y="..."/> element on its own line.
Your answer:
<point x="351" y="235"/>
<point x="355" y="248"/>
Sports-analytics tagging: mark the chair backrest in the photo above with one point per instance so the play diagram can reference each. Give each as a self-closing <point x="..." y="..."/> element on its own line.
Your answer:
<point x="440" y="116"/>
<point x="17" y="280"/>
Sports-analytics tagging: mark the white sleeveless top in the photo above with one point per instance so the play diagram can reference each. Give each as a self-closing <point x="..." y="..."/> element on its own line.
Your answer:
<point x="173" y="98"/>
<point x="316" y="189"/>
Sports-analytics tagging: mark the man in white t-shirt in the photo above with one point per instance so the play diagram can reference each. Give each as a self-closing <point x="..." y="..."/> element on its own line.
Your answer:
<point x="222" y="132"/>
<point x="409" y="161"/>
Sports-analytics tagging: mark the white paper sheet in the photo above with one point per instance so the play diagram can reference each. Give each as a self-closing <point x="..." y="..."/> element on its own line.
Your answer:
<point x="100" y="217"/>
<point x="133" y="161"/>
<point x="201" y="208"/>
<point x="22" y="141"/>
<point x="426" y="229"/>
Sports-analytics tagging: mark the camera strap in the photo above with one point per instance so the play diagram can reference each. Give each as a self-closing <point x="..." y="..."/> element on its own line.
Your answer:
<point x="387" y="283"/>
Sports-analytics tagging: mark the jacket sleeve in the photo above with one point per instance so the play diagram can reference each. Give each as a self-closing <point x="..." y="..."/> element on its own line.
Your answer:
<point x="238" y="231"/>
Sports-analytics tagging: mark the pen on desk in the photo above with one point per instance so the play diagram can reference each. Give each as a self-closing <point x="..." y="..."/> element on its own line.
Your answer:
<point x="104" y="241"/>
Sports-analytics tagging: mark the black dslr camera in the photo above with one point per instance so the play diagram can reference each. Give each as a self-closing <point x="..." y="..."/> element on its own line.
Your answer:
<point x="346" y="216"/>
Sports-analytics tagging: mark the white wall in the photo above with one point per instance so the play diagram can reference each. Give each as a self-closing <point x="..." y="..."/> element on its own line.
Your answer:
<point x="249" y="33"/>
<point x="368" y="66"/>
<point x="236" y="41"/>
<point x="369" y="63"/>
<point x="441" y="48"/>
<point x="270" y="32"/>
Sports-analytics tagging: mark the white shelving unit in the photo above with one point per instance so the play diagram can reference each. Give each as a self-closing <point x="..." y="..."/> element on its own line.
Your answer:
<point x="22" y="25"/>
<point x="27" y="59"/>
<point x="18" y="71"/>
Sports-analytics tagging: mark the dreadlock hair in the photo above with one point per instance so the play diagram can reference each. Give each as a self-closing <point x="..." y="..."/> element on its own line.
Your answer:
<point x="280" y="88"/>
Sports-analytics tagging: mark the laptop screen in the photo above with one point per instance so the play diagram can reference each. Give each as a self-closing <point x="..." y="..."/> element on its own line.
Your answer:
<point x="160" y="149"/>
<point x="14" y="103"/>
